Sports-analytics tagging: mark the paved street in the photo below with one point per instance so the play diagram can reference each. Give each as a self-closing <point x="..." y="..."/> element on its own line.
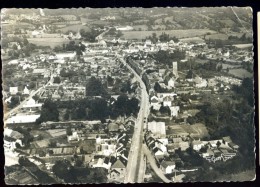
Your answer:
<point x="135" y="165"/>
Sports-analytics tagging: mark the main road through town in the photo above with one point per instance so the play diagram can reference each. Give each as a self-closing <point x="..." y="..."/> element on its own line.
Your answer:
<point x="135" y="169"/>
<point x="33" y="93"/>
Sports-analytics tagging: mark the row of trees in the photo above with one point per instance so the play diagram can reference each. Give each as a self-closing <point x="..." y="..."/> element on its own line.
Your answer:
<point x="64" y="170"/>
<point x="114" y="32"/>
<point x="94" y="87"/>
<point x="89" y="109"/>
<point x="89" y="36"/>
<point x="163" y="38"/>
<point x="166" y="58"/>
<point x="71" y="46"/>
<point x="24" y="50"/>
<point x="243" y="38"/>
<point x="194" y="67"/>
<point x="49" y="112"/>
<point x="219" y="43"/>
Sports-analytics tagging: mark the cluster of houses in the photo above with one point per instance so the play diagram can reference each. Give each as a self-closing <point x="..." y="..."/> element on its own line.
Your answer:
<point x="216" y="150"/>
<point x="165" y="142"/>
<point x="95" y="149"/>
<point x="164" y="139"/>
<point x="28" y="71"/>
<point x="165" y="100"/>
<point x="63" y="93"/>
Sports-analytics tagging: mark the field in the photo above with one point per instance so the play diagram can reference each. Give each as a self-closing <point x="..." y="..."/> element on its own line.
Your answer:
<point x="176" y="33"/>
<point x="19" y="25"/>
<point x="74" y="28"/>
<point x="241" y="73"/>
<point x="220" y="36"/>
<point x="198" y="130"/>
<point x="142" y="27"/>
<point x="227" y="22"/>
<point x="159" y="21"/>
<point x="225" y="66"/>
<point x="52" y="42"/>
<point x="217" y="37"/>
<point x="193" y="39"/>
<point x="162" y="27"/>
<point x="242" y="46"/>
<point x="247" y="34"/>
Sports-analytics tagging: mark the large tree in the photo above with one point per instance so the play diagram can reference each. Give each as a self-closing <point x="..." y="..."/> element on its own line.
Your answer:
<point x="63" y="170"/>
<point x="94" y="87"/>
<point x="125" y="106"/>
<point x="165" y="57"/>
<point x="49" y="112"/>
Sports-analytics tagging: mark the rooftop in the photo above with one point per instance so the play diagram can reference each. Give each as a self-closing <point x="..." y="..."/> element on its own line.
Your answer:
<point x="118" y="164"/>
<point x="165" y="164"/>
<point x="22" y="119"/>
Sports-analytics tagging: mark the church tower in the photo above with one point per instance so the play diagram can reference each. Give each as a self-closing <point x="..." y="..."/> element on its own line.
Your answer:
<point x="175" y="69"/>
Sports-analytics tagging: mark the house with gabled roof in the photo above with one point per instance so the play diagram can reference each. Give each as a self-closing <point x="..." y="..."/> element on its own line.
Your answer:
<point x="103" y="163"/>
<point x="226" y="140"/>
<point x="158" y="153"/>
<point x="197" y="145"/>
<point x="114" y="174"/>
<point x="167" y="167"/>
<point x="233" y="146"/>
<point x="154" y="100"/>
<point x="26" y="91"/>
<point x="118" y="168"/>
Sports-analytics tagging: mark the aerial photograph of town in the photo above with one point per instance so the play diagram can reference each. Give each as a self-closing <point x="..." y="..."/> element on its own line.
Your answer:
<point x="128" y="95"/>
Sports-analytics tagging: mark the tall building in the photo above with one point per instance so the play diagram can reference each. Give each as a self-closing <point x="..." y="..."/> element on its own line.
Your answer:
<point x="175" y="69"/>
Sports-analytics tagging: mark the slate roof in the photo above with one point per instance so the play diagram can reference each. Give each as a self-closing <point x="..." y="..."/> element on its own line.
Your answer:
<point x="165" y="164"/>
<point x="118" y="164"/>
